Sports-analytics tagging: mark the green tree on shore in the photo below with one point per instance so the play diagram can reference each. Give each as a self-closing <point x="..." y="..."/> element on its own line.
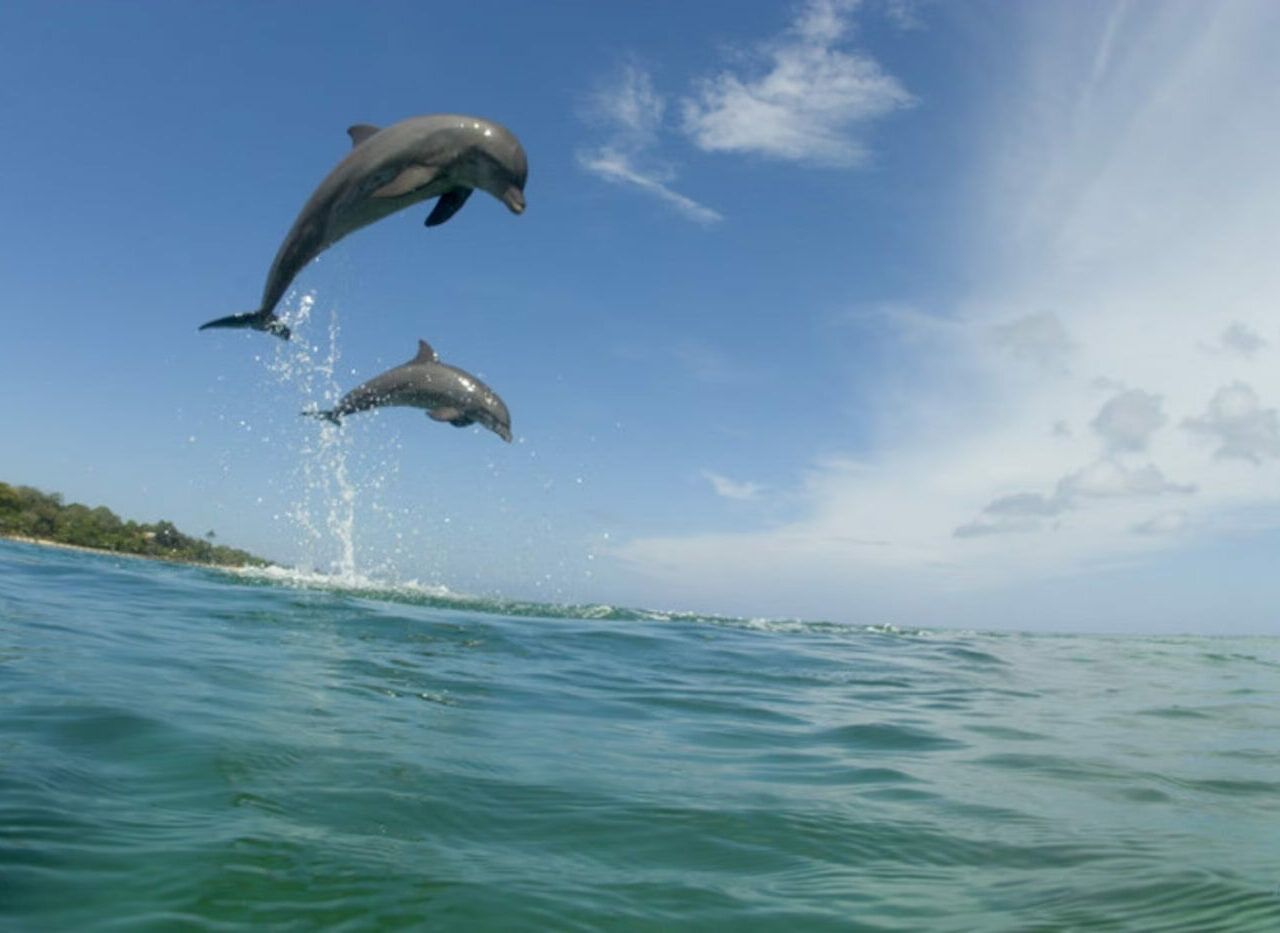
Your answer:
<point x="28" y="512"/>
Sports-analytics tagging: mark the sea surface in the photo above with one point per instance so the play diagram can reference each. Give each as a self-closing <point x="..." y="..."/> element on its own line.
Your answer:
<point x="191" y="749"/>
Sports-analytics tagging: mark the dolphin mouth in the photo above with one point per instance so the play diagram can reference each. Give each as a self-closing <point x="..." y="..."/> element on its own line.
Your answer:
<point x="513" y="197"/>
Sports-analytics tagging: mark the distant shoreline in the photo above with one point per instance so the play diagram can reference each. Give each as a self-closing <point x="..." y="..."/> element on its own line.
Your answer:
<point x="45" y="542"/>
<point x="45" y="518"/>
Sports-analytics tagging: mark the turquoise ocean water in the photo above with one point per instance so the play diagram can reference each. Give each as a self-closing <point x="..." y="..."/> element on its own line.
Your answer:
<point x="189" y="749"/>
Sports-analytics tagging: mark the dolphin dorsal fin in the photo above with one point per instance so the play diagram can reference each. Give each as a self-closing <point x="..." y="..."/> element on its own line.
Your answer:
<point x="360" y="132"/>
<point x="425" y="354"/>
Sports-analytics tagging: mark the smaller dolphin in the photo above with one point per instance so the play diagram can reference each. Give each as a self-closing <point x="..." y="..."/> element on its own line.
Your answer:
<point x="446" y="392"/>
<point x="388" y="169"/>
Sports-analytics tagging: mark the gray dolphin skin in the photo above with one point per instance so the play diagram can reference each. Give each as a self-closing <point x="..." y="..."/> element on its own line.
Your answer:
<point x="444" y="155"/>
<point x="446" y="392"/>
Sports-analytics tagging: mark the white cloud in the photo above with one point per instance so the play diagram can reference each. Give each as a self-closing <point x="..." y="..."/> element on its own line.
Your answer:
<point x="1243" y="429"/>
<point x="980" y="527"/>
<point x="732" y="489"/>
<point x="805" y="105"/>
<point x="1127" y="421"/>
<point x="1107" y="478"/>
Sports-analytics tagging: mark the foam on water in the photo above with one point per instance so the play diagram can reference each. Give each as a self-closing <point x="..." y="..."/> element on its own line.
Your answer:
<point x="414" y="592"/>
<point x="349" y="582"/>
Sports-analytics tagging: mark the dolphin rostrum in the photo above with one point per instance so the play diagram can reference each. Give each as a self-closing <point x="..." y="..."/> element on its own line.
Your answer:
<point x="386" y="170"/>
<point x="446" y="392"/>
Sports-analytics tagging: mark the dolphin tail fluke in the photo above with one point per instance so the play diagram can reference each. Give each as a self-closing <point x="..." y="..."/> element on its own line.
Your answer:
<point x="331" y="415"/>
<point x="258" y="320"/>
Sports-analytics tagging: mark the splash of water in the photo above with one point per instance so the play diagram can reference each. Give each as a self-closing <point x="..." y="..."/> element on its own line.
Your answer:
<point x="325" y="510"/>
<point x="334" y="494"/>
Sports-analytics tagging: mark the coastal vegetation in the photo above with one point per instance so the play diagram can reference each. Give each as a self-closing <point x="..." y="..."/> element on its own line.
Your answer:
<point x="29" y="513"/>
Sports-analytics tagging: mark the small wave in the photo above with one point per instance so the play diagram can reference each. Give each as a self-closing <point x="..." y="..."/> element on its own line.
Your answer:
<point x="437" y="595"/>
<point x="440" y="596"/>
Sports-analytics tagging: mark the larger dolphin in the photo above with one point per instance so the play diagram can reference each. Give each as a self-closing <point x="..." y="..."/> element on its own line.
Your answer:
<point x="386" y="170"/>
<point x="446" y="392"/>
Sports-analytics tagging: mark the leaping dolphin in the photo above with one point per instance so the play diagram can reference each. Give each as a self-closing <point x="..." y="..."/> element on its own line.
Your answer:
<point x="446" y="392"/>
<point x="386" y="170"/>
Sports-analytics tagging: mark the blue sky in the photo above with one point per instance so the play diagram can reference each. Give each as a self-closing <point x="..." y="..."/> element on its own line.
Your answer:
<point x="925" y="313"/>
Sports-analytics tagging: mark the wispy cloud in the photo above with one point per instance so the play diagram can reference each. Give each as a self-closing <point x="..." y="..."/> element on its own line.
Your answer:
<point x="1165" y="523"/>
<point x="732" y="489"/>
<point x="806" y="104"/>
<point x="904" y="13"/>
<point x="631" y="110"/>
<point x="617" y="166"/>
<point x="631" y="106"/>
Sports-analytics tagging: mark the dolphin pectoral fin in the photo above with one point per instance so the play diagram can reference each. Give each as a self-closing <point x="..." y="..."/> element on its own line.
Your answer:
<point x="258" y="320"/>
<point x="360" y="132"/>
<point x="461" y="422"/>
<point x="444" y="414"/>
<point x="449" y="204"/>
<point x="411" y="179"/>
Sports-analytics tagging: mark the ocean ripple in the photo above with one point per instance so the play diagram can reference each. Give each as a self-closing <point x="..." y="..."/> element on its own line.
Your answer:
<point x="183" y="748"/>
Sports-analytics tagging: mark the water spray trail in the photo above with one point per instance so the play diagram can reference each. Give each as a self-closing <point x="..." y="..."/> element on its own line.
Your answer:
<point x="342" y="493"/>
<point x="325" y="509"/>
